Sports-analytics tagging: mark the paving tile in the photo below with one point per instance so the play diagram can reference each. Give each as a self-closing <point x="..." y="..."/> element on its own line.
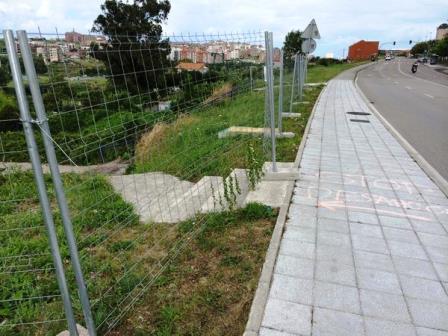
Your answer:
<point x="329" y="271"/>
<point x="384" y="306"/>
<point x="334" y="323"/>
<point x="415" y="267"/>
<point x="337" y="297"/>
<point x="433" y="240"/>
<point x="400" y="235"/>
<point x="369" y="244"/>
<point x="407" y="250"/>
<point x="272" y="332"/>
<point x="437" y="254"/>
<point x="395" y="222"/>
<point x="366" y="230"/>
<point x="378" y="280"/>
<point x="335" y="254"/>
<point x="292" y="289"/>
<point x="300" y="234"/>
<point x="430" y="332"/>
<point x="287" y="316"/>
<point x="362" y="217"/>
<point x="442" y="271"/>
<point x="298" y="249"/>
<point x="376" y="327"/>
<point x="429" y="314"/>
<point x="295" y="267"/>
<point x="333" y="238"/>
<point x="333" y="225"/>
<point x="332" y="214"/>
<point x="423" y="289"/>
<point x="373" y="260"/>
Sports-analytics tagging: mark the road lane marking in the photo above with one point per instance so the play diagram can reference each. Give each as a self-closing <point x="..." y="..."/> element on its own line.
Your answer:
<point x="428" y="95"/>
<point x="418" y="78"/>
<point x="408" y="87"/>
<point x="396" y="82"/>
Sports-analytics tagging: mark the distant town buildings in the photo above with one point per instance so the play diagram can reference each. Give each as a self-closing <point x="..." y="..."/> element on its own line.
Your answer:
<point x="187" y="66"/>
<point x="363" y="50"/>
<point x="216" y="52"/>
<point x="442" y="31"/>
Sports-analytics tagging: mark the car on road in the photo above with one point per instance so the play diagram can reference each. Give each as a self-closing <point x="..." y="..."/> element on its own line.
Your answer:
<point x="388" y="58"/>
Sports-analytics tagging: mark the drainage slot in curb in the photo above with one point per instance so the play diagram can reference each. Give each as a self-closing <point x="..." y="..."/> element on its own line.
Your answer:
<point x="359" y="120"/>
<point x="358" y="113"/>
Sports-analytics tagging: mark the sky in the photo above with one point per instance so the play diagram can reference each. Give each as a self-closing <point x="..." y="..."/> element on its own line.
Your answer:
<point x="340" y="22"/>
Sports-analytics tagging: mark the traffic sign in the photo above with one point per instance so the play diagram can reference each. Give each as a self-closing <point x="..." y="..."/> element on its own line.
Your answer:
<point x="311" y="31"/>
<point x="308" y="46"/>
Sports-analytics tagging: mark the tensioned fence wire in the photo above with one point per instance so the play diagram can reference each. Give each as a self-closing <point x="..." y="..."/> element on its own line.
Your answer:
<point x="139" y="126"/>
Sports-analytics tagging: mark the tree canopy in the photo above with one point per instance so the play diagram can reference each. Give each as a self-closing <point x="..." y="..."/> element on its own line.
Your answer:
<point x="292" y="45"/>
<point x="135" y="50"/>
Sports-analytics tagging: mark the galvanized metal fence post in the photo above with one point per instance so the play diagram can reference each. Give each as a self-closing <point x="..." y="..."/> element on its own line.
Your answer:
<point x="300" y="77"/>
<point x="294" y="74"/>
<point x="280" y="95"/>
<point x="39" y="178"/>
<point x="251" y="79"/>
<point x="42" y="122"/>
<point x="270" y="93"/>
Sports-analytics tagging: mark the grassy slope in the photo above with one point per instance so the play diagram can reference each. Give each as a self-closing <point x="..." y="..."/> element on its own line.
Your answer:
<point x="183" y="148"/>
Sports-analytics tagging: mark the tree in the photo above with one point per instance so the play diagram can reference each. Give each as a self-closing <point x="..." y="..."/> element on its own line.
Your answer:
<point x="292" y="45"/>
<point x="135" y="54"/>
<point x="39" y="63"/>
<point x="419" y="48"/>
<point x="441" y="47"/>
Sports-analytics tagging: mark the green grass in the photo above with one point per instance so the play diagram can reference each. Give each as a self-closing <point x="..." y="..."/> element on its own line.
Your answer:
<point x="190" y="148"/>
<point x="225" y="253"/>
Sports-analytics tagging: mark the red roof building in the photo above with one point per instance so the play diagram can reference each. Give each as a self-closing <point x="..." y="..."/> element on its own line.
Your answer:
<point x="363" y="50"/>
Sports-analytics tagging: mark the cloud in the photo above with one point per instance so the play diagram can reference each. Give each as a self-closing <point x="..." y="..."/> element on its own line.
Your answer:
<point x="340" y="22"/>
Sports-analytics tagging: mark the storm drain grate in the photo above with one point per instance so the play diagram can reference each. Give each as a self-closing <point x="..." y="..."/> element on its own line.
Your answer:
<point x="359" y="113"/>
<point x="359" y="120"/>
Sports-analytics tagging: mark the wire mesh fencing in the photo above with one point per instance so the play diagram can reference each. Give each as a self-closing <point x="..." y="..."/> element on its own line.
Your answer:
<point x="152" y="135"/>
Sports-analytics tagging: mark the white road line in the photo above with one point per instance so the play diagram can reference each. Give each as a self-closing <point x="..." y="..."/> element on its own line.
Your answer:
<point x="408" y="87"/>
<point x="396" y="82"/>
<point x="429" y="96"/>
<point x="418" y="78"/>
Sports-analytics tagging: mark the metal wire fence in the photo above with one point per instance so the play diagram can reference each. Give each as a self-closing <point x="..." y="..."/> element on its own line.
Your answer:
<point x="148" y="136"/>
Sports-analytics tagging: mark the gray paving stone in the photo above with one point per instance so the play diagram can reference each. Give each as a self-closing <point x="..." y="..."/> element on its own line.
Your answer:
<point x="272" y="332"/>
<point x="415" y="267"/>
<point x="334" y="238"/>
<point x="430" y="332"/>
<point x="295" y="267"/>
<point x="337" y="297"/>
<point x="423" y="289"/>
<point x="300" y="234"/>
<point x="384" y="306"/>
<point x="288" y="317"/>
<point x="329" y="271"/>
<point x="333" y="225"/>
<point x="298" y="249"/>
<point x="437" y="254"/>
<point x="433" y="240"/>
<point x="378" y="280"/>
<point x="442" y="271"/>
<point x="376" y="327"/>
<point x="334" y="323"/>
<point x="377" y="261"/>
<point x="407" y="250"/>
<point x="362" y="217"/>
<point x="369" y="244"/>
<point x="366" y="230"/>
<point x="400" y="235"/>
<point x="335" y="254"/>
<point x="292" y="289"/>
<point x="395" y="222"/>
<point x="429" y="314"/>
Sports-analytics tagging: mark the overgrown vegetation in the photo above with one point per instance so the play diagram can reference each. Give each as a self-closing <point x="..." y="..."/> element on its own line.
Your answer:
<point x="219" y="268"/>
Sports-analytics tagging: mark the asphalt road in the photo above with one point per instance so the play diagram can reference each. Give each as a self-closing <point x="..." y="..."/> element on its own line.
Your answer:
<point x="416" y="105"/>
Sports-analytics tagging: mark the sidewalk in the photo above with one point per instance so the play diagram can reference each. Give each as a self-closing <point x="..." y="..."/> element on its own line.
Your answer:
<point x="365" y="247"/>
